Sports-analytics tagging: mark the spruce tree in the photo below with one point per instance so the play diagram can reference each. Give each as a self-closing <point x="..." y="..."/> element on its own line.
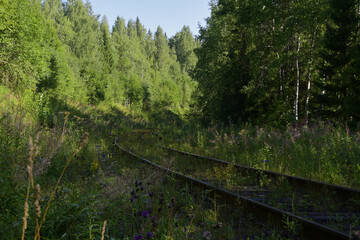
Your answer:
<point x="340" y="83"/>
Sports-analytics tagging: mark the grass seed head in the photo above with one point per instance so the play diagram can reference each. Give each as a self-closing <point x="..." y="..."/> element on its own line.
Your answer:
<point x="26" y="215"/>
<point x="37" y="201"/>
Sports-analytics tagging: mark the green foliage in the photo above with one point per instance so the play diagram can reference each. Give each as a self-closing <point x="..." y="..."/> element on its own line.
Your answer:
<point x="340" y="83"/>
<point x="63" y="51"/>
<point x="61" y="69"/>
<point x="108" y="49"/>
<point x="259" y="60"/>
<point x="322" y="152"/>
<point x="184" y="45"/>
<point x="24" y="51"/>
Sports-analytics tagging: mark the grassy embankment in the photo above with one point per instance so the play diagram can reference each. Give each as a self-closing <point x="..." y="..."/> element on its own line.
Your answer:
<point x="321" y="152"/>
<point x="62" y="178"/>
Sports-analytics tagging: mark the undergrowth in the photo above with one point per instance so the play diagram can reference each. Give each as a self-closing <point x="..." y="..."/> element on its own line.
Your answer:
<point x="321" y="152"/>
<point x="62" y="178"/>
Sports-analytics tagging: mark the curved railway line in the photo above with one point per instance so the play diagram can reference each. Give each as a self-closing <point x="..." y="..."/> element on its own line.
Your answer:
<point x="259" y="201"/>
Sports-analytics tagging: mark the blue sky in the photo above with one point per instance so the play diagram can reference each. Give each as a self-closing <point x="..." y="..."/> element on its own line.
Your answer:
<point x="171" y="15"/>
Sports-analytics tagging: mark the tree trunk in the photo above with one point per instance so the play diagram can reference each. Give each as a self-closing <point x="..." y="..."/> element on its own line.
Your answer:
<point x="309" y="78"/>
<point x="297" y="80"/>
<point x="308" y="93"/>
<point x="359" y="14"/>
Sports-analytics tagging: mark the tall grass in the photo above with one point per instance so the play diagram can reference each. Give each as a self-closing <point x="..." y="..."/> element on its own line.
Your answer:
<point x="322" y="152"/>
<point x="86" y="186"/>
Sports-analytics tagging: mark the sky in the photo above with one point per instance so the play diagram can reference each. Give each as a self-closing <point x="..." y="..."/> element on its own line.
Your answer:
<point x="171" y="15"/>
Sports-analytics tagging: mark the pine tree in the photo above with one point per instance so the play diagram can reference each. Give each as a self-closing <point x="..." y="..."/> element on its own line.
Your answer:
<point x="108" y="48"/>
<point x="340" y="85"/>
<point x="140" y="30"/>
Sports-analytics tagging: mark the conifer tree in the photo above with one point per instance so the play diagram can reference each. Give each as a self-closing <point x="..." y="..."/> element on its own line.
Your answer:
<point x="340" y="84"/>
<point x="108" y="48"/>
<point x="140" y="30"/>
<point x="121" y="44"/>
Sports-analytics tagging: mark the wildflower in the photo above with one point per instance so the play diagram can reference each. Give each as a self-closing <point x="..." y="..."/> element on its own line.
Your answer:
<point x="104" y="155"/>
<point x="149" y="235"/>
<point x="138" y="237"/>
<point x="131" y="199"/>
<point x="145" y="214"/>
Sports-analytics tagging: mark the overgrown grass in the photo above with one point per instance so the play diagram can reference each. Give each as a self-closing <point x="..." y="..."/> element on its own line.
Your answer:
<point x="84" y="189"/>
<point x="64" y="206"/>
<point x="79" y="189"/>
<point x="322" y="152"/>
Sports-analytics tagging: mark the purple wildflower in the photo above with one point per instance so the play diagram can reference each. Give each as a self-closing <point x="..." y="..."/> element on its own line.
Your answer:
<point x="149" y="235"/>
<point x="131" y="199"/>
<point x="145" y="214"/>
<point x="138" y="237"/>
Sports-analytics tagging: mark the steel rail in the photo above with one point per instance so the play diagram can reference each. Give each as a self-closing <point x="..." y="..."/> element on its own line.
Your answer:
<point x="341" y="192"/>
<point x="265" y="213"/>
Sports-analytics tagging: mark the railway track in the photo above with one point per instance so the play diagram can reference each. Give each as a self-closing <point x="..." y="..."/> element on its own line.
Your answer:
<point x="340" y="192"/>
<point x="257" y="200"/>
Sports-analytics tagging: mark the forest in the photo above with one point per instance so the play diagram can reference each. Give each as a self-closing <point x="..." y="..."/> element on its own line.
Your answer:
<point x="293" y="62"/>
<point x="71" y="82"/>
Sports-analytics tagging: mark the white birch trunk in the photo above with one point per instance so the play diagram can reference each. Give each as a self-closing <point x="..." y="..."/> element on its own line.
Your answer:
<point x="309" y="78"/>
<point x="308" y="93"/>
<point x="297" y="80"/>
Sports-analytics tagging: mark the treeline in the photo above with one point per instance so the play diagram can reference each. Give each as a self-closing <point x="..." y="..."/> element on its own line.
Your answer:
<point x="62" y="50"/>
<point x="281" y="62"/>
<point x="263" y="61"/>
